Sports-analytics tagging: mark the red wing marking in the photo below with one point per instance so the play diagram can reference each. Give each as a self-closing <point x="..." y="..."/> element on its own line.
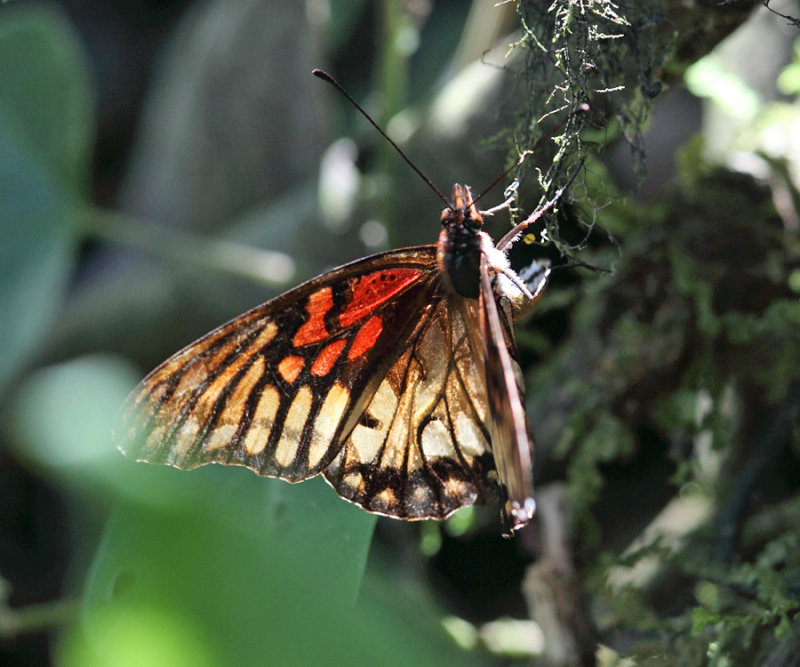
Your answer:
<point x="290" y="368"/>
<point x="327" y="358"/>
<point x="373" y="290"/>
<point x="319" y="303"/>
<point x="366" y="337"/>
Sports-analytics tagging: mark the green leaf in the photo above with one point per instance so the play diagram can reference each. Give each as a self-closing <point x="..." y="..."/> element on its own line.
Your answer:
<point x="230" y="578"/>
<point x="256" y="570"/>
<point x="45" y="133"/>
<point x="36" y="254"/>
<point x="46" y="98"/>
<point x="215" y="544"/>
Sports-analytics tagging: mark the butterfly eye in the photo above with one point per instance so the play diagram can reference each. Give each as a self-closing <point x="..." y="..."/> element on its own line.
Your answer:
<point x="473" y="224"/>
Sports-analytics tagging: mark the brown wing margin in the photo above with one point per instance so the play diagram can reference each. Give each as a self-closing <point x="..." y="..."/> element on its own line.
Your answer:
<point x="279" y="388"/>
<point x="512" y="445"/>
<point x="422" y="450"/>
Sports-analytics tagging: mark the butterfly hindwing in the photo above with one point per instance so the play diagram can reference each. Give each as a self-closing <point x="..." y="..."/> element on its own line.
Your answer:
<point x="422" y="448"/>
<point x="277" y="388"/>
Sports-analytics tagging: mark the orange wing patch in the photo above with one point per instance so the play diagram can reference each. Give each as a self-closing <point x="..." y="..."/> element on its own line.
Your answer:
<point x="319" y="303"/>
<point x="327" y="359"/>
<point x="366" y="337"/>
<point x="290" y="367"/>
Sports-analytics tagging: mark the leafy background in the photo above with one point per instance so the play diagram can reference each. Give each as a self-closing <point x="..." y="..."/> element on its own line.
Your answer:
<point x="167" y="165"/>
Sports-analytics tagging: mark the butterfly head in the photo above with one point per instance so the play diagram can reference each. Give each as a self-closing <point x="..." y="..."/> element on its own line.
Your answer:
<point x="462" y="213"/>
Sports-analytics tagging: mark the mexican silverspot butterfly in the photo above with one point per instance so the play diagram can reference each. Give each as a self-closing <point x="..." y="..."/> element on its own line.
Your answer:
<point x="394" y="377"/>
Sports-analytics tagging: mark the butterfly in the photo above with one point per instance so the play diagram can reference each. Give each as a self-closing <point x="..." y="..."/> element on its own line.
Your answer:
<point x="394" y="377"/>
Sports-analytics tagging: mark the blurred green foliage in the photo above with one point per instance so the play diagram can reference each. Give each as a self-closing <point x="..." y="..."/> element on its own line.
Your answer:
<point x="46" y="129"/>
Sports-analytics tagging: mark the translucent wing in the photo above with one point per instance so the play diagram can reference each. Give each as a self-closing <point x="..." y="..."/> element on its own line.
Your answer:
<point x="512" y="441"/>
<point x="422" y="447"/>
<point x="279" y="388"/>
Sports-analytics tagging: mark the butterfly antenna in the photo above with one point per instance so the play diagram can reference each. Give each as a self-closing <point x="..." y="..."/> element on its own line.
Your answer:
<point x="582" y="108"/>
<point x="320" y="74"/>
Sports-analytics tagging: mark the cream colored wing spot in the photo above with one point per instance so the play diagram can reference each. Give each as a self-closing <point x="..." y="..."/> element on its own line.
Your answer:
<point x="400" y="451"/>
<point x="233" y="412"/>
<point x="456" y="488"/>
<point x="384" y="499"/>
<point x="155" y="438"/>
<point x="436" y="440"/>
<point x="220" y="437"/>
<point x="286" y="449"/>
<point x="326" y="423"/>
<point x="469" y="437"/>
<point x="186" y="436"/>
<point x="434" y="362"/>
<point x="421" y="495"/>
<point x="355" y="482"/>
<point x="367" y="441"/>
<point x="263" y="419"/>
<point x="267" y="334"/>
<point x="192" y="377"/>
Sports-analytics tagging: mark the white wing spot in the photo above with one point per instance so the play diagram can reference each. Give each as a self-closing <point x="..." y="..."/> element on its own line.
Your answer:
<point x="293" y="426"/>
<point x="187" y="435"/>
<point x="263" y="419"/>
<point x="326" y="423"/>
<point x="354" y="481"/>
<point x="421" y="495"/>
<point x="220" y="437"/>
<point x="367" y="441"/>
<point x="436" y="440"/>
<point x="469" y="437"/>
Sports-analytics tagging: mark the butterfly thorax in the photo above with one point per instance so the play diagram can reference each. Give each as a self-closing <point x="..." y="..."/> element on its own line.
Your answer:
<point x="459" y="247"/>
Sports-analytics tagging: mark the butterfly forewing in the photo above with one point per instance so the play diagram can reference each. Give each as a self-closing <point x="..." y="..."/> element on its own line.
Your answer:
<point x="278" y="388"/>
<point x="422" y="447"/>
<point x="511" y="433"/>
